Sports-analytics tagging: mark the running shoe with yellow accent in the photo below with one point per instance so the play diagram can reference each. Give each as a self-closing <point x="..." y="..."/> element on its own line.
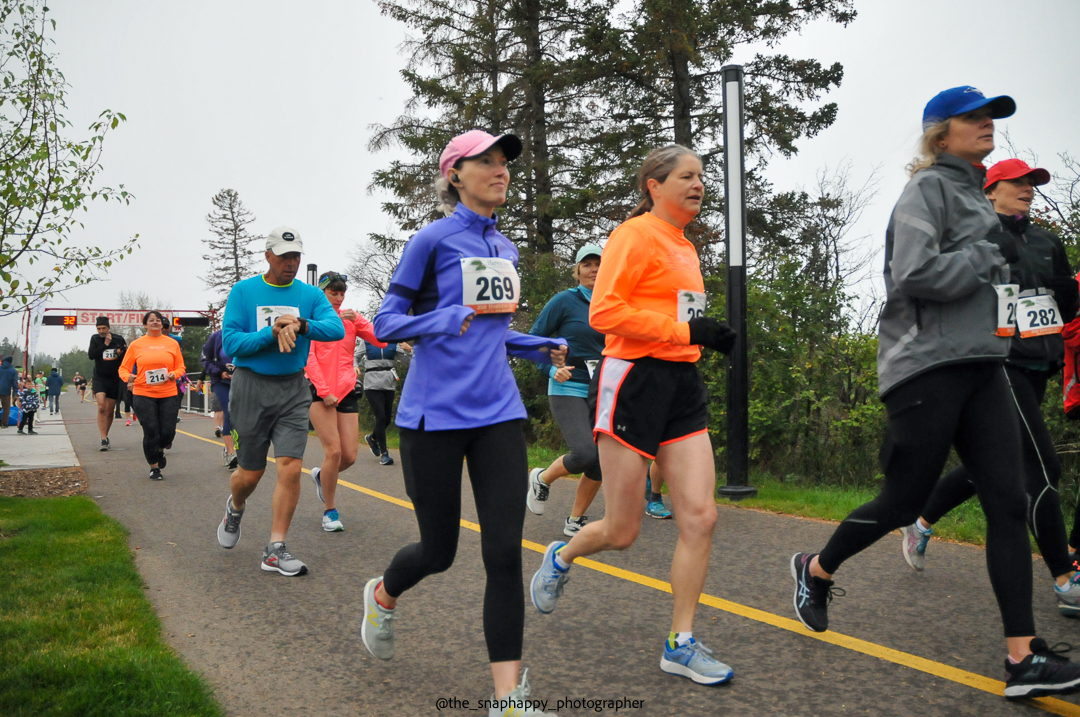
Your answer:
<point x="377" y="628"/>
<point x="519" y="703"/>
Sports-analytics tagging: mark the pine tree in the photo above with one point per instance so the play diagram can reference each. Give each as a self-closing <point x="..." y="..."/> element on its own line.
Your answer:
<point x="231" y="256"/>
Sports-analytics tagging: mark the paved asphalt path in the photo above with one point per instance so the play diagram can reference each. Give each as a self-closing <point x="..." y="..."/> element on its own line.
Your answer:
<point x="272" y="645"/>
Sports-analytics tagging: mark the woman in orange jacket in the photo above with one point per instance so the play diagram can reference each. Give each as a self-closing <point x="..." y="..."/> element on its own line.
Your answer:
<point x="152" y="364"/>
<point x="334" y="406"/>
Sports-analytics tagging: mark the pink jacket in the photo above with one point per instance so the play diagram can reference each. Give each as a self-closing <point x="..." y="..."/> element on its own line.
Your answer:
<point x="330" y="363"/>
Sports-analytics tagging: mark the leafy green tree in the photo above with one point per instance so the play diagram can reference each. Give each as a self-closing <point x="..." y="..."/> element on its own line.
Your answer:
<point x="45" y="176"/>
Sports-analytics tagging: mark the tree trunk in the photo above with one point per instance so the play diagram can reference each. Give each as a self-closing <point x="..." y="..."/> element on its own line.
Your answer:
<point x="536" y="100"/>
<point x="683" y="99"/>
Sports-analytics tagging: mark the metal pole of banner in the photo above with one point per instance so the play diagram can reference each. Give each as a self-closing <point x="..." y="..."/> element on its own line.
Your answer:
<point x="313" y="274"/>
<point x="738" y="393"/>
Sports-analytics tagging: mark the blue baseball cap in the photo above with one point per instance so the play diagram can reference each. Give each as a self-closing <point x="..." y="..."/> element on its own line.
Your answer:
<point x="588" y="250"/>
<point x="958" y="100"/>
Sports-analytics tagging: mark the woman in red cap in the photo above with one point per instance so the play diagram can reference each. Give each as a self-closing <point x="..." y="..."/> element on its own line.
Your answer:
<point x="942" y="342"/>
<point x="453" y="295"/>
<point x="1048" y="298"/>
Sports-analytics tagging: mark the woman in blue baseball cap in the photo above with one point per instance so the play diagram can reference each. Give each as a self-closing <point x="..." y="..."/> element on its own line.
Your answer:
<point x="567" y="315"/>
<point x="943" y="339"/>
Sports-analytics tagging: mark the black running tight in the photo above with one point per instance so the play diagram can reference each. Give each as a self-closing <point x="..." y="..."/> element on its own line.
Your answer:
<point x="382" y="402"/>
<point x="498" y="470"/>
<point x="1042" y="471"/>
<point x="157" y="416"/>
<point x="970" y="407"/>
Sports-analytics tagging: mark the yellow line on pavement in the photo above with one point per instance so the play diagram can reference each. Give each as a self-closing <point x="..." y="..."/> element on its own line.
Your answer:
<point x="922" y="664"/>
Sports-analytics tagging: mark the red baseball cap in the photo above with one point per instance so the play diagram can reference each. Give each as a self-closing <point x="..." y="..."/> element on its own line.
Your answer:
<point x="1014" y="169"/>
<point x="473" y="143"/>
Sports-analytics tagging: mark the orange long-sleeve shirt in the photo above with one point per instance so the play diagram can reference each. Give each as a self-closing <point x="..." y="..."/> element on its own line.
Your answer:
<point x="647" y="264"/>
<point x="159" y="355"/>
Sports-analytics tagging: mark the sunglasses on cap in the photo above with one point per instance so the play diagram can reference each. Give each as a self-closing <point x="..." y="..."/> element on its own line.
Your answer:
<point x="330" y="278"/>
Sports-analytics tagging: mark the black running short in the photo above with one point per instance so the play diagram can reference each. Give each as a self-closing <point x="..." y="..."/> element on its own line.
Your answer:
<point x="109" y="385"/>
<point x="347" y="404"/>
<point x="647" y="403"/>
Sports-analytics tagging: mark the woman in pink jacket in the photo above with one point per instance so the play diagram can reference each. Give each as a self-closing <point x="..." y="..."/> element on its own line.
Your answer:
<point x="333" y="400"/>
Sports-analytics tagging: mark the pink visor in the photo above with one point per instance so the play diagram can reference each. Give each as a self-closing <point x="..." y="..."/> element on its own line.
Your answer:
<point x="474" y="142"/>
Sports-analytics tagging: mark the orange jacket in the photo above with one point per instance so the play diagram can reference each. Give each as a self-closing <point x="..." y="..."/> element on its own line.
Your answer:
<point x="646" y="263"/>
<point x="1071" y="335"/>
<point x="153" y="353"/>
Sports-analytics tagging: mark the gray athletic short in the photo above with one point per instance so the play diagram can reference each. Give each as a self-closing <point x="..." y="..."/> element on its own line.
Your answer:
<point x="215" y="404"/>
<point x="265" y="410"/>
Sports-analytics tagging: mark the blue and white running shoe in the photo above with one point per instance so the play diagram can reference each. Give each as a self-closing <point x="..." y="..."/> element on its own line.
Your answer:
<point x="318" y="483"/>
<point x="547" y="583"/>
<point x="695" y="661"/>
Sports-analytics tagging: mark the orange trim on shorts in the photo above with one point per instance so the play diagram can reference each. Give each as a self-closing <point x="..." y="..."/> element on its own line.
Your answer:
<point x="683" y="438"/>
<point x="635" y="450"/>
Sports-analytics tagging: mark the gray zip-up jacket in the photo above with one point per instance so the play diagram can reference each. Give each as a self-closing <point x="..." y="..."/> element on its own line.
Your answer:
<point x="940" y="272"/>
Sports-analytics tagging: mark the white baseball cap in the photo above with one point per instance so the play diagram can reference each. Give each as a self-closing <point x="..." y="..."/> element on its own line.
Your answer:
<point x="284" y="240"/>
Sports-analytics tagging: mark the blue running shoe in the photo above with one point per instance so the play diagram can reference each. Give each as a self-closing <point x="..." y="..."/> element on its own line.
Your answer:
<point x="331" y="522"/>
<point x="656" y="509"/>
<point x="693" y="660"/>
<point x="318" y="482"/>
<point x="547" y="583"/>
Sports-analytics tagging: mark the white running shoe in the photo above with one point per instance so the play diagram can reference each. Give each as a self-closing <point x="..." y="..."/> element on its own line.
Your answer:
<point x="538" y="492"/>
<point x="331" y="522"/>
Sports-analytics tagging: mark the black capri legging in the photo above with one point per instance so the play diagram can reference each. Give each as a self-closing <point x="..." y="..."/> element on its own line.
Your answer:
<point x="382" y="402"/>
<point x="1042" y="471"/>
<point x="969" y="406"/>
<point x="157" y="416"/>
<point x="575" y="422"/>
<point x="498" y="470"/>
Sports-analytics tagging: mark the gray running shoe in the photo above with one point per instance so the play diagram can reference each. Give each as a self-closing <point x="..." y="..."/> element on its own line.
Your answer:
<point x="318" y="483"/>
<point x="277" y="558"/>
<point x="1069" y="598"/>
<point x="377" y="628"/>
<point x="695" y="661"/>
<point x="913" y="545"/>
<point x="547" y="583"/>
<point x="228" y="530"/>
<point x="518" y="703"/>
<point x="538" y="492"/>
<point x="233" y="462"/>
<point x="573" y="525"/>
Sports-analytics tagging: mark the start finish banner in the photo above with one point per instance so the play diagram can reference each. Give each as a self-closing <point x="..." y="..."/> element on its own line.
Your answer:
<point x="117" y="318"/>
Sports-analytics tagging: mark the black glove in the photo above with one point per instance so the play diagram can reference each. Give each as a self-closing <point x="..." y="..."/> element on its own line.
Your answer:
<point x="1006" y="242"/>
<point x="707" y="331"/>
<point x="1066" y="294"/>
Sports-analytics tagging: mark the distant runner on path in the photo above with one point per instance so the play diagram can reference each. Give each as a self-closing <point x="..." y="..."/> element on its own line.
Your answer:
<point x="270" y="322"/>
<point x="107" y="351"/>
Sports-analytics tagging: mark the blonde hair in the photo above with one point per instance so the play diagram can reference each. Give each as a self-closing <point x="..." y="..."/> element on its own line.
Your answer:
<point x="447" y="194"/>
<point x="658" y="165"/>
<point x="929" y="148"/>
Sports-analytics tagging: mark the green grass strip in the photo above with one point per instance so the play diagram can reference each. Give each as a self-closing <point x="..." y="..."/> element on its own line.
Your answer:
<point x="79" y="636"/>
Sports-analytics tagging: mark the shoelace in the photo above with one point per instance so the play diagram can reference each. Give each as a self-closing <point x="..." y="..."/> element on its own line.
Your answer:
<point x="703" y="652"/>
<point x="283" y="553"/>
<point x="921" y="546"/>
<point x="232" y="520"/>
<point x="542" y="490"/>
<point x="561" y="579"/>
<point x="822" y="595"/>
<point x="1056" y="651"/>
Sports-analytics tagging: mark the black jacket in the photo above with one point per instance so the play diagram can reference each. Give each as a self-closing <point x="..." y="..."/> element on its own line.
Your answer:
<point x="1041" y="256"/>
<point x="107" y="358"/>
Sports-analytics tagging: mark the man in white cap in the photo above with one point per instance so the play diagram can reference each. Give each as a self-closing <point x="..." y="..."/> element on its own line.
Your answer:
<point x="270" y="322"/>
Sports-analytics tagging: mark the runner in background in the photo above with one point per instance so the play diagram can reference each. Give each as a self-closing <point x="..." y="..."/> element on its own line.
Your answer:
<point x="9" y="385"/>
<point x="567" y="315"/>
<point x="456" y="289"/>
<point x="219" y="368"/>
<point x="151" y="367"/>
<point x="650" y="400"/>
<point x="42" y="387"/>
<point x="940" y="375"/>
<point x="80" y="386"/>
<point x="380" y="379"/>
<point x="54" y="385"/>
<point x="106" y="350"/>
<point x="270" y="322"/>
<point x="334" y="406"/>
<point x="1071" y="385"/>
<point x="125" y="405"/>
<point x="1048" y="297"/>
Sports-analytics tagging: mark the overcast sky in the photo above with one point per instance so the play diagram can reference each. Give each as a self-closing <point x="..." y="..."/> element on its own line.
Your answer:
<point x="275" y="99"/>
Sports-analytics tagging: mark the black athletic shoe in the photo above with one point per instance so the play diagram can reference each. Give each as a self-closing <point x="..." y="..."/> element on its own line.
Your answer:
<point x="155" y="474"/>
<point x="104" y="444"/>
<point x="217" y="431"/>
<point x="1044" y="672"/>
<point x="373" y="445"/>
<point x="168" y="447"/>
<point x="162" y="461"/>
<point x="386" y="460"/>
<point x="812" y="594"/>
<point x="233" y="462"/>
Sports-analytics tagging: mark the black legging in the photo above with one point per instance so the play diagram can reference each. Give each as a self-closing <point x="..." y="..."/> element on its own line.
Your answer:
<point x="157" y="416"/>
<point x="969" y="406"/>
<point x="382" y="402"/>
<point x="1042" y="471"/>
<point x="498" y="469"/>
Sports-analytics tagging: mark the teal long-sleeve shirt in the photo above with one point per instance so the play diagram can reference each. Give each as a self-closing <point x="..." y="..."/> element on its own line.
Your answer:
<point x="247" y="331"/>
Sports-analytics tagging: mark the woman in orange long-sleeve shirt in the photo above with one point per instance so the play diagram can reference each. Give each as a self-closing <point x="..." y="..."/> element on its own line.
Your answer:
<point x="151" y="366"/>
<point x="649" y="399"/>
